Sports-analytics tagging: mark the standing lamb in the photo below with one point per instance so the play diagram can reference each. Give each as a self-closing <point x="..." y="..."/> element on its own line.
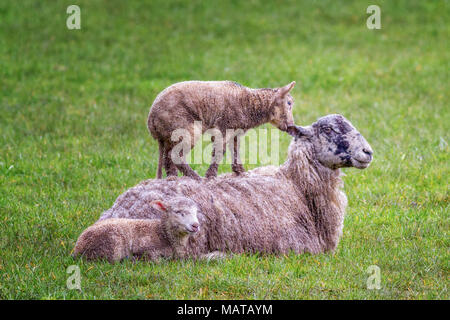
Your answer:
<point x="298" y="206"/>
<point x="219" y="105"/>
<point x="116" y="239"/>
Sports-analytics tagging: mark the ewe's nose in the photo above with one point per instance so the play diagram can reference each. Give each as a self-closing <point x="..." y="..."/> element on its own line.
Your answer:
<point x="282" y="127"/>
<point x="195" y="226"/>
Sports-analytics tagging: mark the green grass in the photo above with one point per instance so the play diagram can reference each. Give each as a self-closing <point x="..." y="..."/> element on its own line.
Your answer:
<point x="73" y="136"/>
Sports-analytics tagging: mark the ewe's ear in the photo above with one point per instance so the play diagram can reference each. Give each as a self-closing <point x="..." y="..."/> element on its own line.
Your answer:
<point x="285" y="90"/>
<point x="297" y="131"/>
<point x="159" y="205"/>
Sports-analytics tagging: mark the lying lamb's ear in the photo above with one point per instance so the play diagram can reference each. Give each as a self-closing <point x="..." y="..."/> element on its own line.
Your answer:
<point x="158" y="204"/>
<point x="284" y="90"/>
<point x="297" y="131"/>
<point x="292" y="130"/>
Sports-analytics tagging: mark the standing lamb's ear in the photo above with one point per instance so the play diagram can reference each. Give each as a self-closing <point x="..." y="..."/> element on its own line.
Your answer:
<point x="297" y="131"/>
<point x="159" y="205"/>
<point x="285" y="90"/>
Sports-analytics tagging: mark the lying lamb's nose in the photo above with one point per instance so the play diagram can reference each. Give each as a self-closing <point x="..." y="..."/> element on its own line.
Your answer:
<point x="195" y="226"/>
<point x="368" y="151"/>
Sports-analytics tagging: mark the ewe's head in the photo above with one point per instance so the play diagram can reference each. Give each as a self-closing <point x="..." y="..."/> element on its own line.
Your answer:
<point x="180" y="214"/>
<point x="281" y="109"/>
<point x="336" y="142"/>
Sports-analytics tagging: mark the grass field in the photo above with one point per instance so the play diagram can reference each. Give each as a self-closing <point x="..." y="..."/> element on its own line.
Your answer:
<point x="73" y="136"/>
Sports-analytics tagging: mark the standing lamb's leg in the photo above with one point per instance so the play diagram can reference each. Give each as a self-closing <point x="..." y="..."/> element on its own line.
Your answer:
<point x="177" y="155"/>
<point x="160" y="159"/>
<point x="179" y="150"/>
<point x="216" y="156"/>
<point x="236" y="165"/>
<point x="169" y="166"/>
<point x="185" y="168"/>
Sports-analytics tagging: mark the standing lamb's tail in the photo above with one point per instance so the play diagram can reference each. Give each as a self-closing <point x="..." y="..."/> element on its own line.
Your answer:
<point x="160" y="160"/>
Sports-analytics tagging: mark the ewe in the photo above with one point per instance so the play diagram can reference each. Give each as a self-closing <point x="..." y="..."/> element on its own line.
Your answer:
<point x="116" y="239"/>
<point x="299" y="206"/>
<point x="220" y="105"/>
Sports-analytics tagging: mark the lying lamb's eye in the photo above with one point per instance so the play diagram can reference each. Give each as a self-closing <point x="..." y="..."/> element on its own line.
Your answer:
<point x="289" y="103"/>
<point x="327" y="130"/>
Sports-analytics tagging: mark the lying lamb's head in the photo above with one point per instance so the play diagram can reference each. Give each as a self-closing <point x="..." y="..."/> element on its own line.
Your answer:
<point x="336" y="142"/>
<point x="281" y="109"/>
<point x="181" y="214"/>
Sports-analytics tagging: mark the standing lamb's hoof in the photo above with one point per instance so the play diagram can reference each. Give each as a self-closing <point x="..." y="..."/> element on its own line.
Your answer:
<point x="238" y="169"/>
<point x="211" y="172"/>
<point x="210" y="175"/>
<point x="194" y="176"/>
<point x="188" y="172"/>
<point x="172" y="173"/>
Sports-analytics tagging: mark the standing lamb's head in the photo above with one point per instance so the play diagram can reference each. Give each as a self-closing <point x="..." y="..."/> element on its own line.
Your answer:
<point x="180" y="215"/>
<point x="336" y="142"/>
<point x="281" y="108"/>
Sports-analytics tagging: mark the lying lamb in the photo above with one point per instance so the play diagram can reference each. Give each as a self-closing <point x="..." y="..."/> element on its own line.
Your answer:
<point x="298" y="206"/>
<point x="219" y="105"/>
<point x="116" y="239"/>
